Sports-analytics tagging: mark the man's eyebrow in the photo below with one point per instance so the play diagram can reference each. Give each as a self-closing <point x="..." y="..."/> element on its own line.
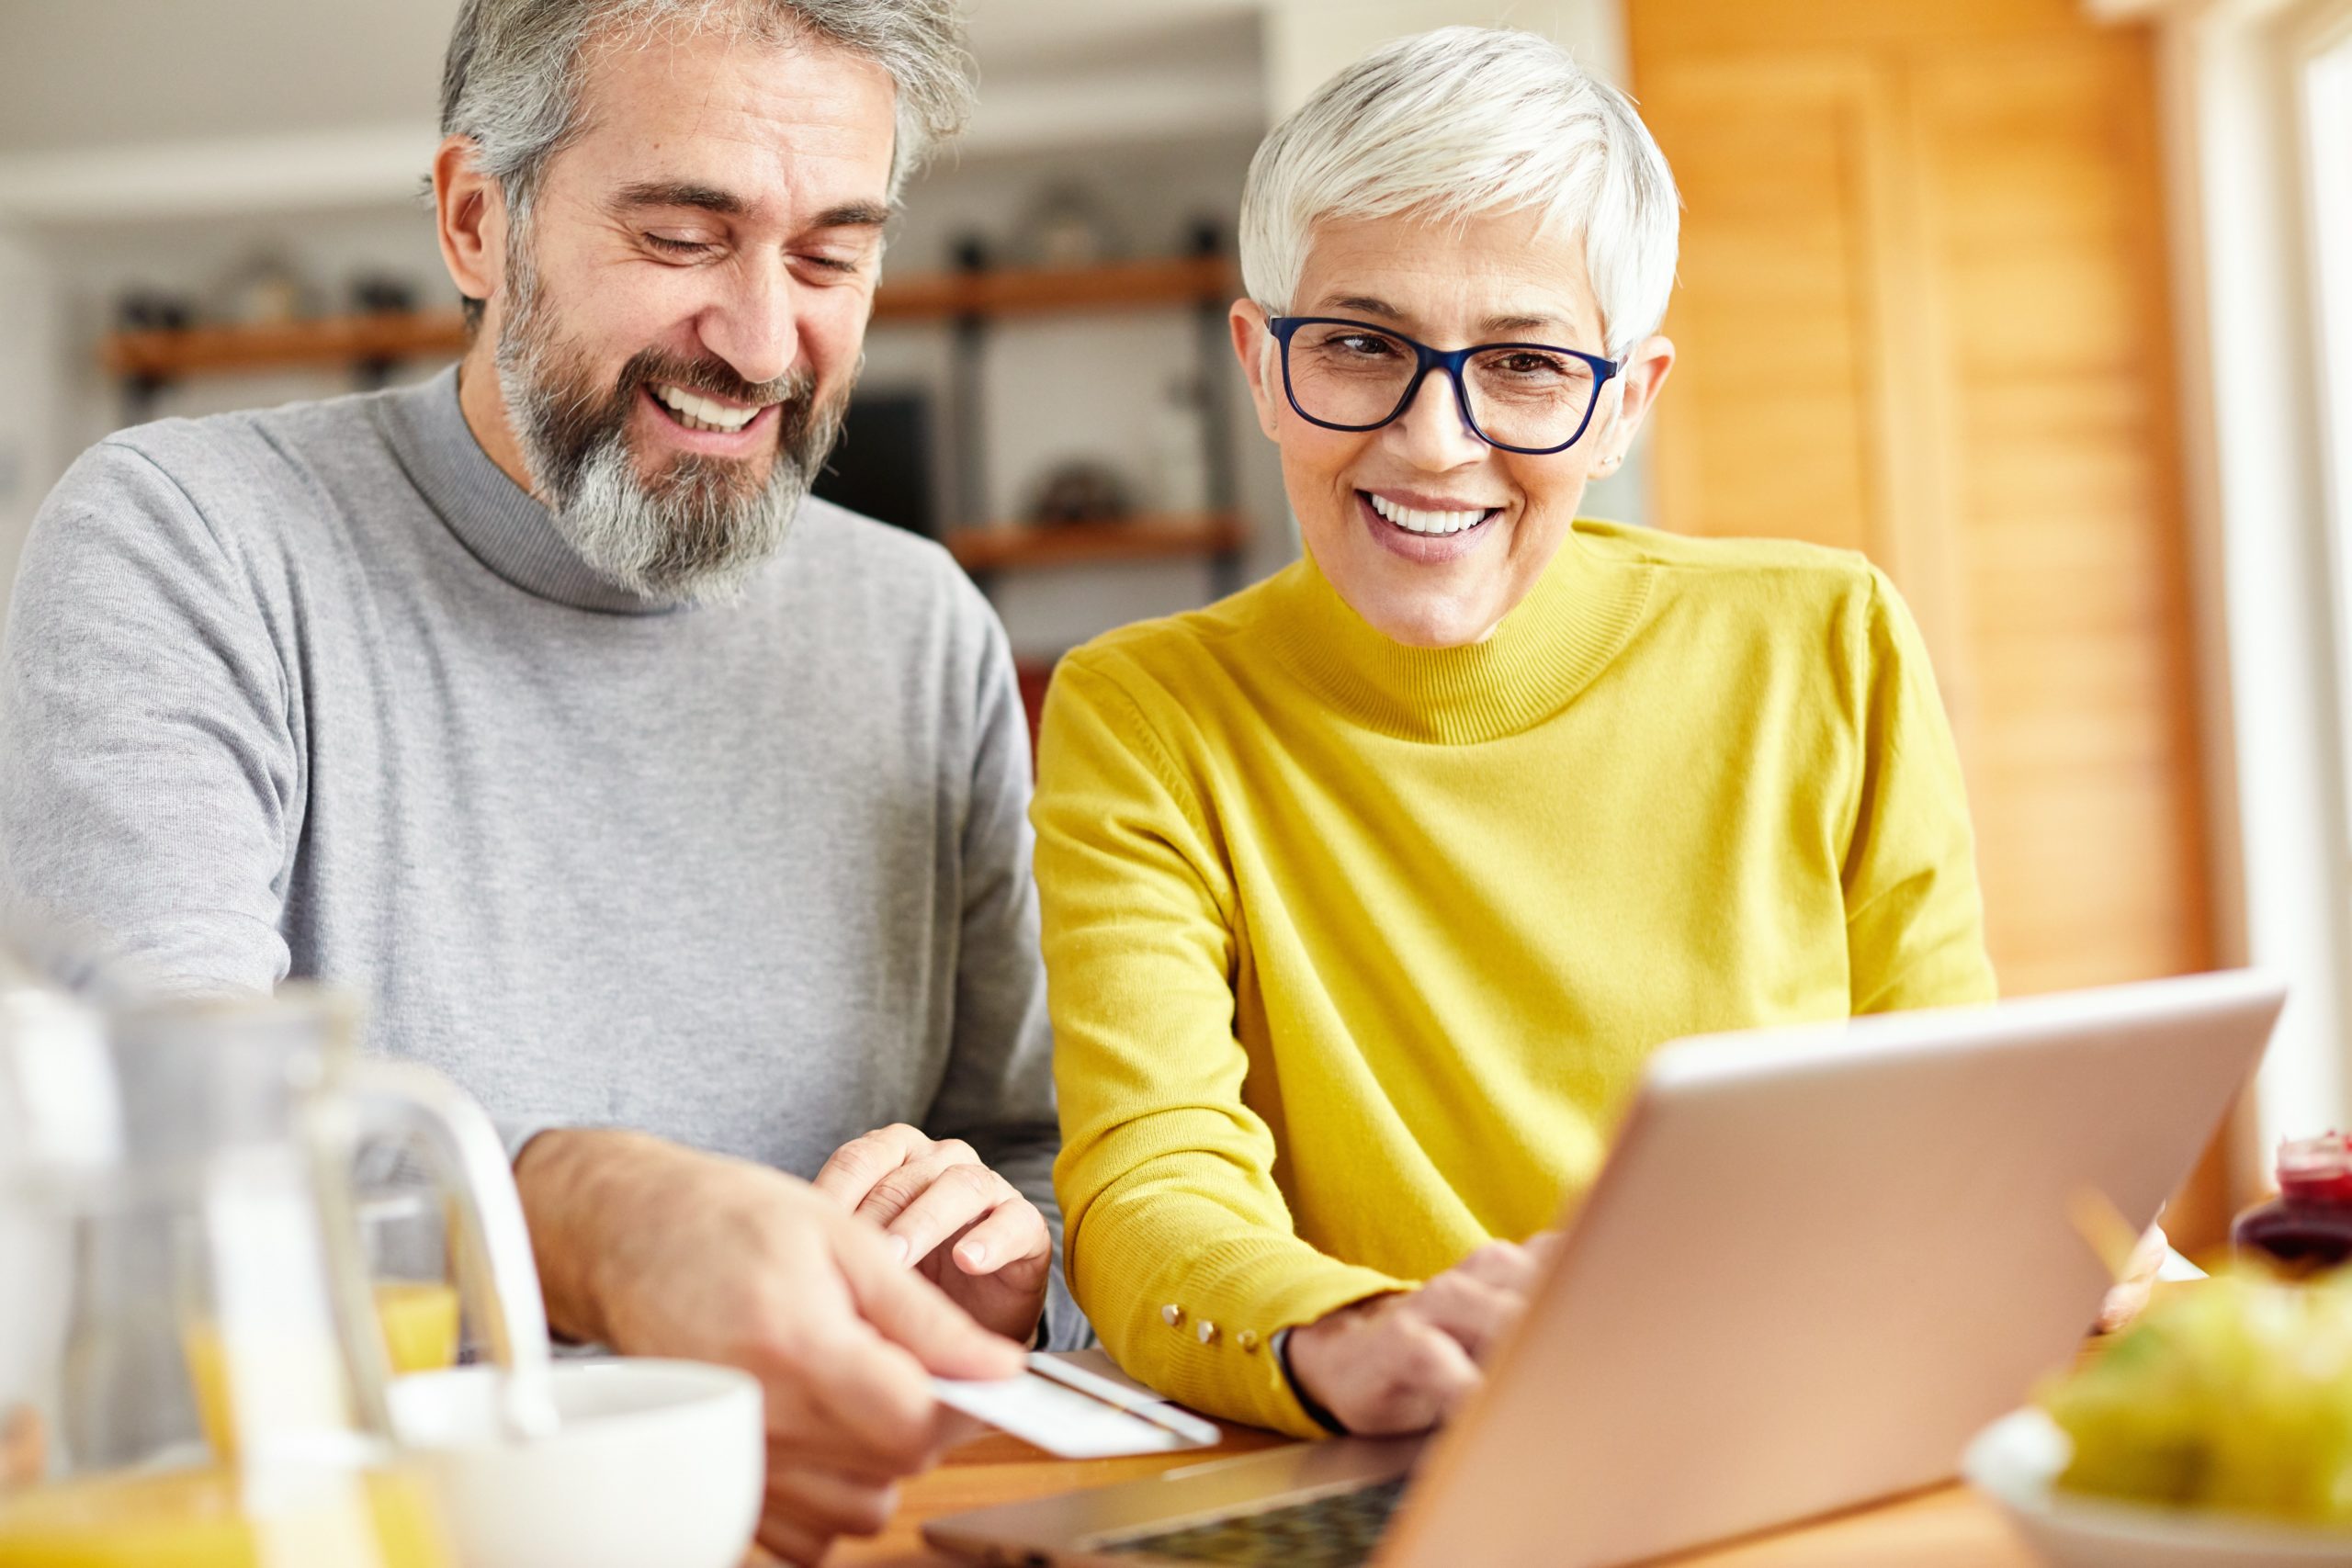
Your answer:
<point x="679" y="192"/>
<point x="854" y="215"/>
<point x="726" y="204"/>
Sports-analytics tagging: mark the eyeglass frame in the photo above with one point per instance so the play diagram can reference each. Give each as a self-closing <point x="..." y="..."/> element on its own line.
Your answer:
<point x="1451" y="361"/>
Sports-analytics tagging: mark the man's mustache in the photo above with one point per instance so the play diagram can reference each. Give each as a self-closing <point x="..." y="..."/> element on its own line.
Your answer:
<point x="714" y="376"/>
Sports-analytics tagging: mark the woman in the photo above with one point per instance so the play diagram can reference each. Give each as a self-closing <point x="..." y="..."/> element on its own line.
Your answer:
<point x="1368" y="890"/>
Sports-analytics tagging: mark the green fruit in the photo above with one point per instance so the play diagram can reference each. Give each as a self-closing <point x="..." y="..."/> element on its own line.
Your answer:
<point x="2234" y="1395"/>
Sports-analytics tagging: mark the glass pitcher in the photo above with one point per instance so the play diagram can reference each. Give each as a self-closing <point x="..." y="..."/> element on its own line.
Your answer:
<point x="211" y="1364"/>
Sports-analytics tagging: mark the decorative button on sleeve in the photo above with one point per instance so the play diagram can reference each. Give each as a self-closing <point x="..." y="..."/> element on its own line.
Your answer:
<point x="1208" y="1332"/>
<point x="1172" y="1316"/>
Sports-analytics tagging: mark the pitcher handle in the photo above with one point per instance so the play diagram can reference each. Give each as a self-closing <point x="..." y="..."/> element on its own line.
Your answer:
<point x="407" y="1098"/>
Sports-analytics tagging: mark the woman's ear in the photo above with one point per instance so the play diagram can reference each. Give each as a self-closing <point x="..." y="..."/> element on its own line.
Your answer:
<point x="1253" y="345"/>
<point x="1646" y="369"/>
<point x="470" y="221"/>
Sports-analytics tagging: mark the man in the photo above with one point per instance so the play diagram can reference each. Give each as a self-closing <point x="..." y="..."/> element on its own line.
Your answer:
<point x="677" y="815"/>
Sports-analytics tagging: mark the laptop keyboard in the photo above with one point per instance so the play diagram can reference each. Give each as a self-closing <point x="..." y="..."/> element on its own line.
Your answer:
<point x="1335" y="1531"/>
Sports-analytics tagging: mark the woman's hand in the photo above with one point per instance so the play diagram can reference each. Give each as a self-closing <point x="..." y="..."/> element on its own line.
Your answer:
<point x="968" y="1230"/>
<point x="2129" y="1296"/>
<point x="1401" y="1363"/>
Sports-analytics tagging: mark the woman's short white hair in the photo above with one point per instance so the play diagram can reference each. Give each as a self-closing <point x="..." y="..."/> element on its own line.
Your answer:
<point x="1462" y="122"/>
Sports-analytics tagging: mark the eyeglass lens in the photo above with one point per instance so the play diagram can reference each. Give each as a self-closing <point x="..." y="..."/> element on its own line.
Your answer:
<point x="1351" y="375"/>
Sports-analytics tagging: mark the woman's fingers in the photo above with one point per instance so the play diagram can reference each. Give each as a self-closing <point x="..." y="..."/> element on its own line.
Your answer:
<point x="1415" y="1374"/>
<point x="857" y="1165"/>
<point x="1014" y="1232"/>
<point x="959" y="1196"/>
<point x="1504" y="1266"/>
<point x="1475" y="1313"/>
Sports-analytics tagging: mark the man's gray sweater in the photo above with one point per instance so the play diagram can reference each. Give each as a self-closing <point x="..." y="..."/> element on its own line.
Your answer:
<point x="320" y="692"/>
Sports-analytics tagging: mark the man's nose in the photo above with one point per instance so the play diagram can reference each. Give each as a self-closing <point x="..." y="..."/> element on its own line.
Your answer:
<point x="1432" y="432"/>
<point x="755" y="325"/>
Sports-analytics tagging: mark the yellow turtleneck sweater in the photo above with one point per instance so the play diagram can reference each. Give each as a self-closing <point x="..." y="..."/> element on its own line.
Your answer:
<point x="1354" y="950"/>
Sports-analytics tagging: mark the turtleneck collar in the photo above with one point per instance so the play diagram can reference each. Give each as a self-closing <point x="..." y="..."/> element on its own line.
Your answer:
<point x="505" y="527"/>
<point x="1577" y="617"/>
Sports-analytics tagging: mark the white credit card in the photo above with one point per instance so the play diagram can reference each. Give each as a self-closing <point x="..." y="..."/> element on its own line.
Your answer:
<point x="1074" y="1413"/>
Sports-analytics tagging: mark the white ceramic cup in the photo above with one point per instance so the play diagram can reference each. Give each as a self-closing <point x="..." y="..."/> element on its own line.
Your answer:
<point x="652" y="1461"/>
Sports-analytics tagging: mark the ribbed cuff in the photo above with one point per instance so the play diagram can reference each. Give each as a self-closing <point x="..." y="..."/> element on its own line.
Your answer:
<point x="1201" y="1328"/>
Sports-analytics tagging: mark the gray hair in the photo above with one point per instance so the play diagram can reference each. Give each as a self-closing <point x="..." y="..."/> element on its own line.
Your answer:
<point x="1463" y="121"/>
<point x="512" y="76"/>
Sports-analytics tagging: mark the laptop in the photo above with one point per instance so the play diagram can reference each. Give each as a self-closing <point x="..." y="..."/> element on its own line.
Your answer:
<point x="1816" y="1261"/>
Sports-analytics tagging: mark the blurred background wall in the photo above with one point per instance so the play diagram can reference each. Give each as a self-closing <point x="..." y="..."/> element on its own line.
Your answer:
<point x="2032" y="300"/>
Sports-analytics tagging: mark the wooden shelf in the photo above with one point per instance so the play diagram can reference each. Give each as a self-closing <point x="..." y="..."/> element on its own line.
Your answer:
<point x="358" y="340"/>
<point x="1028" y="291"/>
<point x="334" y="340"/>
<point x="1079" y="544"/>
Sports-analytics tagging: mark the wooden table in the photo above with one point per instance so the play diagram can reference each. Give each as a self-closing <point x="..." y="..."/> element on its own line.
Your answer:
<point x="1948" y="1528"/>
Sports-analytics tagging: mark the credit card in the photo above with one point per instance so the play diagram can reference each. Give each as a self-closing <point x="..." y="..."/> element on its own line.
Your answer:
<point x="1074" y="1414"/>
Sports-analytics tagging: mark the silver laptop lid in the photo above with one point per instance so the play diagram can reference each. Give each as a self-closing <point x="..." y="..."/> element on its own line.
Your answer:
<point x="1817" y="1259"/>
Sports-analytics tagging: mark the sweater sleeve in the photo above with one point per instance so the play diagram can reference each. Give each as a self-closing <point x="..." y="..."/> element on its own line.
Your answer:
<point x="1181" y="1247"/>
<point x="149" y="768"/>
<point x="998" y="1093"/>
<point x="1915" y="919"/>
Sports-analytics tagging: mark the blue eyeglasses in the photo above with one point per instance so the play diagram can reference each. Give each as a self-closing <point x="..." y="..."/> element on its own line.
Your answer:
<point x="1530" y="398"/>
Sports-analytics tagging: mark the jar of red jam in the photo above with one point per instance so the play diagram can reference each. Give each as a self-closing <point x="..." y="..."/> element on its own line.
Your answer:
<point x="2307" y="1229"/>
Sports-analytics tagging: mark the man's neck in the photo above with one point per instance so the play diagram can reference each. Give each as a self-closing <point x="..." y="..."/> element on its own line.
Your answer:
<point x="484" y="403"/>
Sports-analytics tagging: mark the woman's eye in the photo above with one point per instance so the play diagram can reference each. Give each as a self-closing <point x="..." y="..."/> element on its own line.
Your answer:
<point x="1360" y="343"/>
<point x="1533" y="365"/>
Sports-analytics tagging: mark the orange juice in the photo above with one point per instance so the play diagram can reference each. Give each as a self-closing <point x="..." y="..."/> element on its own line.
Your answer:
<point x="205" y="1518"/>
<point x="297" y="1383"/>
<point x="420" y="1320"/>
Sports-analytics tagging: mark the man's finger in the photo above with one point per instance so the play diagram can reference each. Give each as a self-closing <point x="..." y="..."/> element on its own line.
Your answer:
<point x="828" y="1503"/>
<point x="877" y="1393"/>
<point x="1014" y="1232"/>
<point x="791" y="1540"/>
<point x="962" y="1194"/>
<point x="814" y="1445"/>
<point x="909" y="1310"/>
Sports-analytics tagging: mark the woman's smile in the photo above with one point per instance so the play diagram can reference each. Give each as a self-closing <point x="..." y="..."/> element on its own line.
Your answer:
<point x="1425" y="529"/>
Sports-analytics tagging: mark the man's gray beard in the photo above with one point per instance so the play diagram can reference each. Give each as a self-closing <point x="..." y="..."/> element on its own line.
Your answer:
<point x="695" y="532"/>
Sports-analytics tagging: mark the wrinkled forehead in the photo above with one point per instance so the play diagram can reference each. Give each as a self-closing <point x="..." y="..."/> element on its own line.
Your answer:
<point x="1480" y="278"/>
<point x="734" y="109"/>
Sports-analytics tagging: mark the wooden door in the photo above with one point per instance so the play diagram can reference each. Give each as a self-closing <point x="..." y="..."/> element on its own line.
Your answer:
<point x="1922" y="313"/>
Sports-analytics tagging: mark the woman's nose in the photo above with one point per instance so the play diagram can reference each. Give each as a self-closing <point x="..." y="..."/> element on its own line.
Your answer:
<point x="1432" y="430"/>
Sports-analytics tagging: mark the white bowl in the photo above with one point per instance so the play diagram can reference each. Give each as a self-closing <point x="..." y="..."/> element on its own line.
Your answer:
<point x="2015" y="1460"/>
<point x="656" y="1463"/>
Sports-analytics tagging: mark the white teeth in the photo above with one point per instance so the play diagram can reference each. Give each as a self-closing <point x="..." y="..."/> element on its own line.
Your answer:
<point x="1416" y="521"/>
<point x="701" y="413"/>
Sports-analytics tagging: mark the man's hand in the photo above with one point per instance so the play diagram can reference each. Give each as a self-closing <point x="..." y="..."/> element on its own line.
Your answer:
<point x="660" y="1250"/>
<point x="968" y="1230"/>
<point x="1401" y="1363"/>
